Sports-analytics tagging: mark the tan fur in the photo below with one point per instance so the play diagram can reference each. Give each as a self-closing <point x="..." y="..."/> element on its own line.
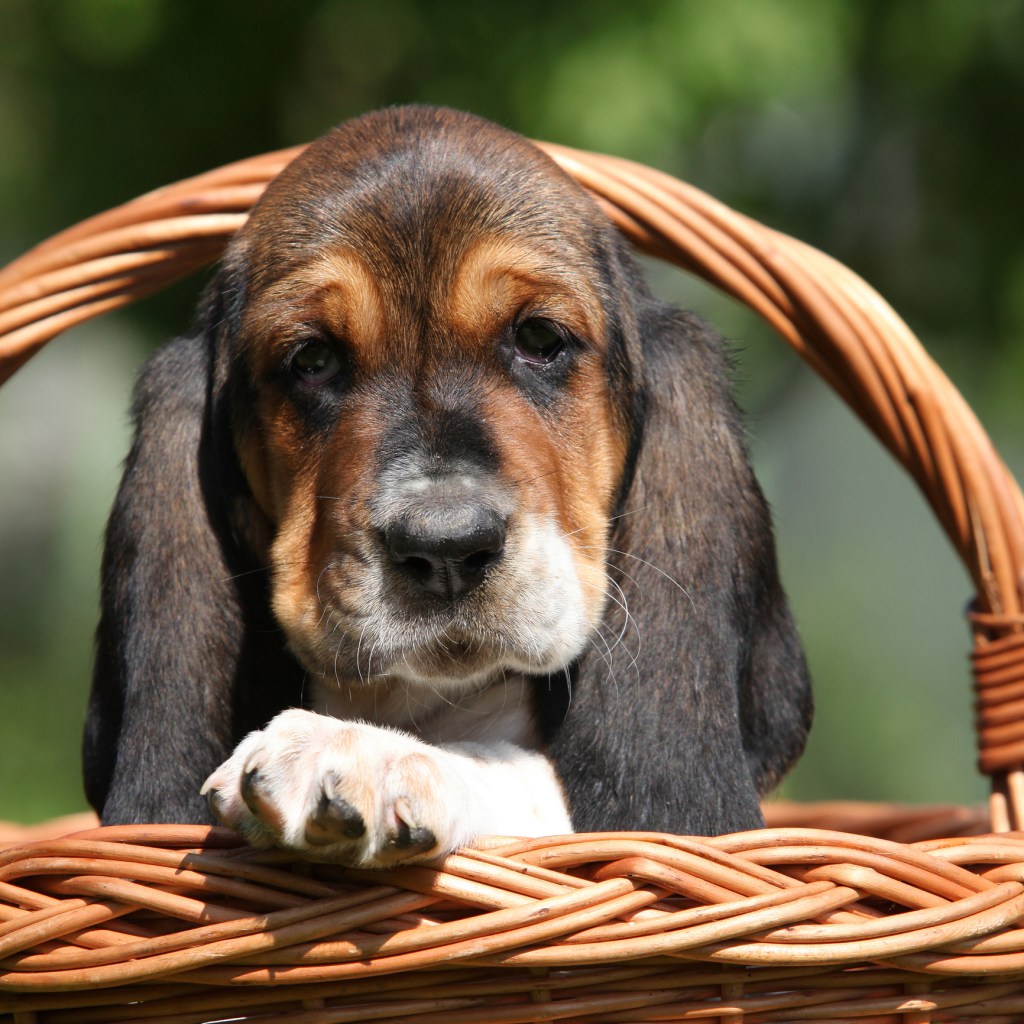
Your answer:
<point x="425" y="317"/>
<point x="386" y="481"/>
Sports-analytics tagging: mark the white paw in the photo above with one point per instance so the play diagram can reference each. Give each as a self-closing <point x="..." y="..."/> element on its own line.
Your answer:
<point x="343" y="791"/>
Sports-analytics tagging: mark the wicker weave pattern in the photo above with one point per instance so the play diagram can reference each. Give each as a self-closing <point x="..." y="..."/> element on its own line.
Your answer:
<point x="186" y="925"/>
<point x="120" y="256"/>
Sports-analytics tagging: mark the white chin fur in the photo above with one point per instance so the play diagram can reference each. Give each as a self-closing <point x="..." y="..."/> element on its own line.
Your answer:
<point x="530" y="616"/>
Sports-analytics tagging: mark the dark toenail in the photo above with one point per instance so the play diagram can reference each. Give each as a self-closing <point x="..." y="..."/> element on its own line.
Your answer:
<point x="334" y="819"/>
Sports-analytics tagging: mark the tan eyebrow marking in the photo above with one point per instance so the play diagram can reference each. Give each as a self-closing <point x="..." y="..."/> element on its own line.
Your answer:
<point x="499" y="275"/>
<point x="336" y="289"/>
<point x="350" y="296"/>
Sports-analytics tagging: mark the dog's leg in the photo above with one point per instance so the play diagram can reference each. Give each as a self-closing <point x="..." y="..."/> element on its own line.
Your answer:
<point x="372" y="796"/>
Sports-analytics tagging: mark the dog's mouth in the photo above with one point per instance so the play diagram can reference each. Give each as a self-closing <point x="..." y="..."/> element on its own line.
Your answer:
<point x="456" y="659"/>
<point x="443" y="653"/>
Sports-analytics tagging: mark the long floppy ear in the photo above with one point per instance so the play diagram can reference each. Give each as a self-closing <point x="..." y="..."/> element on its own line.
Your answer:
<point x="695" y="696"/>
<point x="185" y="616"/>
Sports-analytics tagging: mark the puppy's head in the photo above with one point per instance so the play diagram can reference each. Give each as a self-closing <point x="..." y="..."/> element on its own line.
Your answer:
<point x="432" y="399"/>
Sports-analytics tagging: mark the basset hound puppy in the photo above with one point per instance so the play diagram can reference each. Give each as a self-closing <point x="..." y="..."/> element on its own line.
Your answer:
<point x="438" y="524"/>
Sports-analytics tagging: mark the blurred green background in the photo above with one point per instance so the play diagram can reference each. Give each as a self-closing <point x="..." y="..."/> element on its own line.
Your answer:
<point x="886" y="133"/>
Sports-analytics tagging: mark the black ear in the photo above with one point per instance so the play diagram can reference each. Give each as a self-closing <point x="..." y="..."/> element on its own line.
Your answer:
<point x="185" y="616"/>
<point x="694" y="698"/>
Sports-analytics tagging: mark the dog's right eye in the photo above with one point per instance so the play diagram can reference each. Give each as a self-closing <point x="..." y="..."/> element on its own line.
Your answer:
<point x="537" y="342"/>
<point x="316" y="363"/>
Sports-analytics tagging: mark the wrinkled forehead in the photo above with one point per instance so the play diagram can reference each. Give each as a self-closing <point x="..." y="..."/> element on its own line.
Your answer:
<point x="427" y="233"/>
<point x="413" y="205"/>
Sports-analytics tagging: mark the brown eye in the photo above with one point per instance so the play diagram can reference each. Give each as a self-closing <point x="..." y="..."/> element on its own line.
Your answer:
<point x="537" y="341"/>
<point x="316" y="363"/>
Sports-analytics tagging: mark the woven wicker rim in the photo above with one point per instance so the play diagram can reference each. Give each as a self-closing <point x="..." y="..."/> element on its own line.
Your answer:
<point x="773" y="925"/>
<point x="785" y="923"/>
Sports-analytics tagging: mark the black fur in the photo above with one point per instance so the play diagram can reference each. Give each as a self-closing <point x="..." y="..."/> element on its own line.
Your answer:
<point x="705" y="702"/>
<point x="680" y="727"/>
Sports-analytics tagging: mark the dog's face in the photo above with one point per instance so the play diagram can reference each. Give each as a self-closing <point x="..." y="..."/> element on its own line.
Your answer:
<point x="433" y="401"/>
<point x="433" y="443"/>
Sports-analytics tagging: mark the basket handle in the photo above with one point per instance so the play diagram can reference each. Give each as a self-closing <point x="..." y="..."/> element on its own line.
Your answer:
<point x="830" y="316"/>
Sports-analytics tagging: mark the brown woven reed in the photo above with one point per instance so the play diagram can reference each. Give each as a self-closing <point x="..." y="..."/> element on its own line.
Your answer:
<point x="838" y="912"/>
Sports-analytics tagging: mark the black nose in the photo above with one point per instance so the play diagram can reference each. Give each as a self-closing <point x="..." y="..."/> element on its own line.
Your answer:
<point x="444" y="546"/>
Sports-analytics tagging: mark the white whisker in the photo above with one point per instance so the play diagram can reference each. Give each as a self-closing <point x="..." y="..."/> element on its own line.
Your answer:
<point x="644" y="561"/>
<point x="621" y="515"/>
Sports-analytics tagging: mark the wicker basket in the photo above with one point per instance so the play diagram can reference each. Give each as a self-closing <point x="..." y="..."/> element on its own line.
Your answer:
<point x="836" y="913"/>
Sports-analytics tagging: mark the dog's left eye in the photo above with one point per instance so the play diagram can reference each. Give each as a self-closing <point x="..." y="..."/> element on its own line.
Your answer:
<point x="537" y="341"/>
<point x="316" y="363"/>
